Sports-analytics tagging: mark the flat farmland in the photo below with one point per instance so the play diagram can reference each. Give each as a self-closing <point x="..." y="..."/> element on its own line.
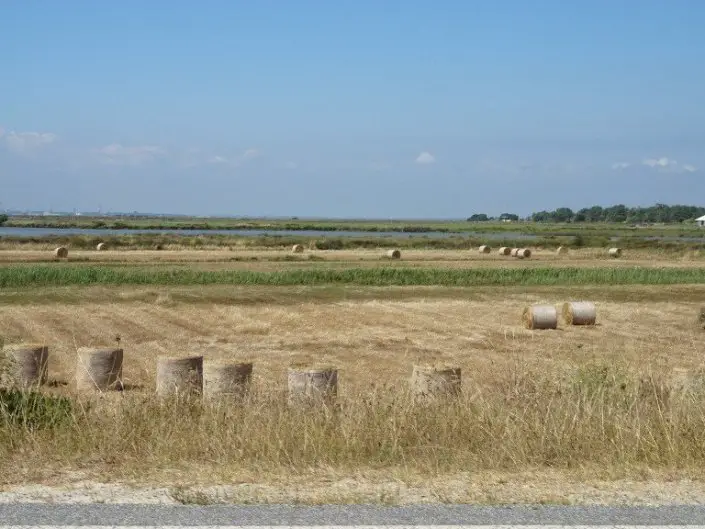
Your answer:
<point x="618" y="400"/>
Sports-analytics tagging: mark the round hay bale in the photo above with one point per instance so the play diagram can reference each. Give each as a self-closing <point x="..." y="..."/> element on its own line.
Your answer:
<point x="484" y="249"/>
<point x="615" y="252"/>
<point x="523" y="253"/>
<point x="562" y="250"/>
<point x="393" y="254"/>
<point x="430" y="382"/>
<point x="179" y="376"/>
<point x="505" y="250"/>
<point x="579" y="313"/>
<point x="226" y="380"/>
<point x="61" y="252"/>
<point x="540" y="317"/>
<point x="514" y="252"/>
<point x="102" y="246"/>
<point x="312" y="386"/>
<point x="99" y="369"/>
<point x="297" y="248"/>
<point x="29" y="364"/>
<point x="701" y="317"/>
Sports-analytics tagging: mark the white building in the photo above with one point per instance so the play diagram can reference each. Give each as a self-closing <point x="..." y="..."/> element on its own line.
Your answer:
<point x="700" y="221"/>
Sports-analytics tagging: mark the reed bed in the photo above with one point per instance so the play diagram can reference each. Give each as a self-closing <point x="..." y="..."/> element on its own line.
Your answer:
<point x="64" y="275"/>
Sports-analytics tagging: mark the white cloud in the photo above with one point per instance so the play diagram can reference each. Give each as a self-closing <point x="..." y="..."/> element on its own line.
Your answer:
<point x="25" y="143"/>
<point x="662" y="164"/>
<point x="217" y="159"/>
<point x="659" y="162"/>
<point x="249" y="154"/>
<point x="425" y="158"/>
<point x="117" y="154"/>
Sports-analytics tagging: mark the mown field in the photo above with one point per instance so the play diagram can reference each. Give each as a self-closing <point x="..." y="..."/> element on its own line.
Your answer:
<point x="624" y="399"/>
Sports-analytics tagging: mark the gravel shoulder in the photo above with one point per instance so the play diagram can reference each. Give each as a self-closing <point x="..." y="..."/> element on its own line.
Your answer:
<point x="481" y="489"/>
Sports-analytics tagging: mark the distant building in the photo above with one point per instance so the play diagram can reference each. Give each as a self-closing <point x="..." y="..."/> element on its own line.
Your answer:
<point x="700" y="221"/>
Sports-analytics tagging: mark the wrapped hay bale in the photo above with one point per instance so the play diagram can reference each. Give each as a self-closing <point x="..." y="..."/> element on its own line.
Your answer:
<point x="523" y="253"/>
<point x="393" y="254"/>
<point x="312" y="386"/>
<point x="28" y="364"/>
<point x="99" y="369"/>
<point x="226" y="380"/>
<point x="102" y="246"/>
<point x="514" y="252"/>
<point x="540" y="317"/>
<point x="562" y="250"/>
<point x="484" y="249"/>
<point x="615" y="252"/>
<point x="179" y="376"/>
<point x="579" y="313"/>
<point x="61" y="252"/>
<point x="431" y="382"/>
<point x="505" y="250"/>
<point x="297" y="248"/>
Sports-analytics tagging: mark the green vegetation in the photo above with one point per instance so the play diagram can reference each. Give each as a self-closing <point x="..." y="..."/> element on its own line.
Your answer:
<point x="3" y="218"/>
<point x="660" y="213"/>
<point x="613" y="220"/>
<point x="65" y="275"/>
<point x="577" y="238"/>
<point x="33" y="410"/>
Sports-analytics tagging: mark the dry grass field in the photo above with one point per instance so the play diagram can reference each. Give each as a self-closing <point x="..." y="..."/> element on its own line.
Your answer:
<point x="543" y="413"/>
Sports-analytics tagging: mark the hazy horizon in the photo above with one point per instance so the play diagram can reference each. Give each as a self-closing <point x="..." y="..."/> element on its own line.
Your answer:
<point x="405" y="110"/>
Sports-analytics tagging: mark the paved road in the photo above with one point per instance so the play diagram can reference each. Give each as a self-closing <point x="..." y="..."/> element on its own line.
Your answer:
<point x="278" y="515"/>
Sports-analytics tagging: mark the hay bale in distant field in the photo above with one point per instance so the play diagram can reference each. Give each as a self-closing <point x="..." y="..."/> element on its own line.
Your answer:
<point x="393" y="254"/>
<point x="484" y="249"/>
<point x="101" y="246"/>
<point x="562" y="250"/>
<point x="179" y="376"/>
<point x="514" y="252"/>
<point x="29" y="364"/>
<point x="701" y="317"/>
<point x="61" y="252"/>
<point x="615" y="252"/>
<point x="312" y="386"/>
<point x="523" y="253"/>
<point x="226" y="380"/>
<point x="430" y="382"/>
<point x="540" y="317"/>
<point x="297" y="248"/>
<point x="505" y="250"/>
<point x="579" y="313"/>
<point x="99" y="369"/>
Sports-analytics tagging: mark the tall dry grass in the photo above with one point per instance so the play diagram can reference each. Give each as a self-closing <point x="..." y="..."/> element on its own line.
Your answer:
<point x="595" y="415"/>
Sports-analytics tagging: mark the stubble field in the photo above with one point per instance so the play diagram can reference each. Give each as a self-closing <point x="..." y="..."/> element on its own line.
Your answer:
<point x="623" y="400"/>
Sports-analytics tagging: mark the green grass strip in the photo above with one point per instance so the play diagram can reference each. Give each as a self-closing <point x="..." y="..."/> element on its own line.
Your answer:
<point x="59" y="275"/>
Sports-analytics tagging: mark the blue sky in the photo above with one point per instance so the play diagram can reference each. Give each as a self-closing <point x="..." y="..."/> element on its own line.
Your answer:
<point x="383" y="108"/>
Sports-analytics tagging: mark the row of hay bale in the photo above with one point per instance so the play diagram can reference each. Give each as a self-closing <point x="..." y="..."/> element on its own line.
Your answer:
<point x="504" y="251"/>
<point x="525" y="253"/>
<point x="546" y="316"/>
<point x="62" y="252"/>
<point x="101" y="370"/>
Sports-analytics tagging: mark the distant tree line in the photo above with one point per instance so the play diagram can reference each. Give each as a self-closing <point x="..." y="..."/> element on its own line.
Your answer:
<point x="659" y="213"/>
<point x="3" y="219"/>
<point x="481" y="217"/>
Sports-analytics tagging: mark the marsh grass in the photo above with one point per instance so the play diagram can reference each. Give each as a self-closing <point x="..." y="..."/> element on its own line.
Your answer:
<point x="65" y="275"/>
<point x="597" y="415"/>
